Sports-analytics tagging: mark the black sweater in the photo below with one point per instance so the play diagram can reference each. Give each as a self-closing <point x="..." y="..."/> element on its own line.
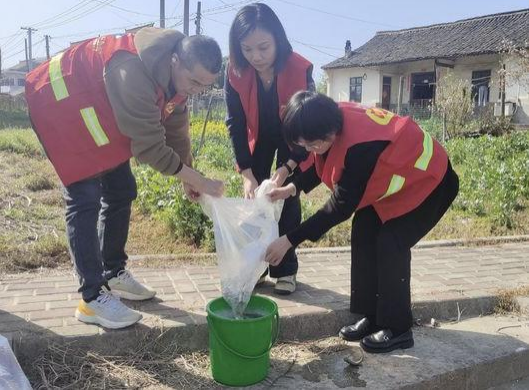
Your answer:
<point x="360" y="161"/>
<point x="269" y="121"/>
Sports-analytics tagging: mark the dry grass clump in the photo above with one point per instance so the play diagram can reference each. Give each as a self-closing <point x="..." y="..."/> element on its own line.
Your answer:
<point x="152" y="365"/>
<point x="507" y="302"/>
<point x="159" y="364"/>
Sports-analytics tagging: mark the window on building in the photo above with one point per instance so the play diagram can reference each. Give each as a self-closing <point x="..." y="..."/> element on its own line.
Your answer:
<point x="355" y="89"/>
<point x="481" y="87"/>
<point x="21" y="82"/>
<point x="422" y="88"/>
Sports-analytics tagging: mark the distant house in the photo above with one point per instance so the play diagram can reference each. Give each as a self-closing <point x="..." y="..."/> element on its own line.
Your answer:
<point x="13" y="80"/>
<point x="398" y="70"/>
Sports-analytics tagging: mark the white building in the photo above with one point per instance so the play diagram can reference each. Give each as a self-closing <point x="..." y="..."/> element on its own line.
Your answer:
<point x="13" y="79"/>
<point x="399" y="69"/>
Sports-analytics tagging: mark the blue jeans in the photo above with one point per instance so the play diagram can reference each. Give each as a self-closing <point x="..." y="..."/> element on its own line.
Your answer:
<point x="97" y="224"/>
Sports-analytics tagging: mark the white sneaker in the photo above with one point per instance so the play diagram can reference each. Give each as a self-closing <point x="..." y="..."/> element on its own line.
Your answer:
<point x="285" y="285"/>
<point x="108" y="311"/>
<point x="125" y="286"/>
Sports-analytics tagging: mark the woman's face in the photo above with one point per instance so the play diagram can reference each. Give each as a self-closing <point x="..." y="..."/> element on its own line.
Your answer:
<point x="318" y="146"/>
<point x="259" y="49"/>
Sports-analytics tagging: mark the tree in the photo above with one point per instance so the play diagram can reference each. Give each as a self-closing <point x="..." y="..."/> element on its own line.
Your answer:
<point x="514" y="62"/>
<point x="454" y="104"/>
<point x="321" y="84"/>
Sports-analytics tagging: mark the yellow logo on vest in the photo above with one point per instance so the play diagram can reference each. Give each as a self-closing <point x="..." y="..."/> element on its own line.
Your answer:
<point x="380" y="116"/>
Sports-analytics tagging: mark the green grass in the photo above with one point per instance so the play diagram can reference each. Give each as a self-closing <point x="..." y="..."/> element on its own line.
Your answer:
<point x="494" y="176"/>
<point x="22" y="142"/>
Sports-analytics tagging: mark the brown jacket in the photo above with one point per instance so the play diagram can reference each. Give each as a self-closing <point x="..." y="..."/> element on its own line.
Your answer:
<point x="131" y="82"/>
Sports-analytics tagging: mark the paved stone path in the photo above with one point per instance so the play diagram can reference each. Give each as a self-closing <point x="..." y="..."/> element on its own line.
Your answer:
<point x="37" y="302"/>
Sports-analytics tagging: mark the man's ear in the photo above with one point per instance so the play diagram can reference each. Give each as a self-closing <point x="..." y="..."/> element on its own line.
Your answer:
<point x="175" y="61"/>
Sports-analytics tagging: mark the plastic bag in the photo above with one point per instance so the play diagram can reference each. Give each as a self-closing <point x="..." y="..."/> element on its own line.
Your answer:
<point x="243" y="230"/>
<point x="11" y="375"/>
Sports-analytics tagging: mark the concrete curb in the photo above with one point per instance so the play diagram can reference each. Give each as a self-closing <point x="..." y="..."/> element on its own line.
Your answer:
<point x="318" y="323"/>
<point x="481" y="375"/>
<point x="345" y="249"/>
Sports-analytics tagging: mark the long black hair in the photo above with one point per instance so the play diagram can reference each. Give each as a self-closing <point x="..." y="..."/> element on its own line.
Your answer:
<point x="250" y="17"/>
<point x="311" y="116"/>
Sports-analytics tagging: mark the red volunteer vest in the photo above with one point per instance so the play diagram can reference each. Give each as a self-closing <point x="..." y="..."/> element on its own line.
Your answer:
<point x="291" y="79"/>
<point x="408" y="170"/>
<point x="71" y="113"/>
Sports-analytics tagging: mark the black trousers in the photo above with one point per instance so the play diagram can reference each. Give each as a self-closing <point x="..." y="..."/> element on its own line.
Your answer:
<point x="263" y="159"/>
<point x="381" y="256"/>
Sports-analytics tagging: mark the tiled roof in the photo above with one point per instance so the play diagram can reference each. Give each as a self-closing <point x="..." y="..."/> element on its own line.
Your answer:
<point x="480" y="35"/>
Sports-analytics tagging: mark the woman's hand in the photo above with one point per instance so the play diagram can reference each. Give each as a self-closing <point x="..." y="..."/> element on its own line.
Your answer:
<point x="282" y="192"/>
<point x="277" y="250"/>
<point x="283" y="172"/>
<point x="249" y="183"/>
<point x="280" y="175"/>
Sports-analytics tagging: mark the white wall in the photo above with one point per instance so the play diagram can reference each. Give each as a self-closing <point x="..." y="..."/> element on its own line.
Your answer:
<point x="15" y="76"/>
<point x="516" y="91"/>
<point x="338" y="85"/>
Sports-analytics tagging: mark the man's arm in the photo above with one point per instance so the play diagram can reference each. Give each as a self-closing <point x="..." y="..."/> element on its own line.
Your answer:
<point x="132" y="95"/>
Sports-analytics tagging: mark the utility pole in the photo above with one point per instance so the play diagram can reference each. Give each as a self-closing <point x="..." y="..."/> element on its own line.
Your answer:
<point x="186" y="17"/>
<point x="162" y="13"/>
<point x="0" y="63"/>
<point x="199" y="15"/>
<point x="47" y="38"/>
<point x="27" y="59"/>
<point x="29" y="46"/>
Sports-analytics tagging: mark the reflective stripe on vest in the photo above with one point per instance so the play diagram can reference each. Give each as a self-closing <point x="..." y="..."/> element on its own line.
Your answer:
<point x="396" y="184"/>
<point x="56" y="79"/>
<point x="93" y="126"/>
<point x="424" y="160"/>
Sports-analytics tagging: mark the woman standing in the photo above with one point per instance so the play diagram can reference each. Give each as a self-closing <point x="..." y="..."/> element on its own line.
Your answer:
<point x="263" y="73"/>
<point x="398" y="182"/>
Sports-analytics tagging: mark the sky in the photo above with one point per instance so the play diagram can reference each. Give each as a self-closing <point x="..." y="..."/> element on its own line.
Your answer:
<point x="317" y="29"/>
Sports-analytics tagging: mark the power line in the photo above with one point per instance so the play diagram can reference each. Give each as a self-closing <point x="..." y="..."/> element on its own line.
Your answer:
<point x="70" y="10"/>
<point x="337" y="15"/>
<point x="127" y="10"/>
<point x="176" y="8"/>
<point x="78" y="16"/>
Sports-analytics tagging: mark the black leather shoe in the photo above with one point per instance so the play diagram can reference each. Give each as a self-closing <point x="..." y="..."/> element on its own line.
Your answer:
<point x="383" y="341"/>
<point x="357" y="331"/>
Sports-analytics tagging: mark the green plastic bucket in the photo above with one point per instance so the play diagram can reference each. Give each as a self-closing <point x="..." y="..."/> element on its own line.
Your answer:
<point x="239" y="349"/>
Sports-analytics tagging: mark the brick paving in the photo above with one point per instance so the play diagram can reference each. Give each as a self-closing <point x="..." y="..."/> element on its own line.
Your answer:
<point x="30" y="303"/>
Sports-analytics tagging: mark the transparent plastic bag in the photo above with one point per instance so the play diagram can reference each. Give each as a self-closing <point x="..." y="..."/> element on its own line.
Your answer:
<point x="11" y="375"/>
<point x="243" y="230"/>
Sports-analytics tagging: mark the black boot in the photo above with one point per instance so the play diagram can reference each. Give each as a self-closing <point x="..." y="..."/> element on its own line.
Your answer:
<point x="386" y="341"/>
<point x="358" y="330"/>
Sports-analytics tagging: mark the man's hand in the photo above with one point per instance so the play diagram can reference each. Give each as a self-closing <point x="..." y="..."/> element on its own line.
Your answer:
<point x="199" y="183"/>
<point x="190" y="192"/>
<point x="211" y="187"/>
<point x="249" y="183"/>
<point x="282" y="192"/>
<point x="277" y="250"/>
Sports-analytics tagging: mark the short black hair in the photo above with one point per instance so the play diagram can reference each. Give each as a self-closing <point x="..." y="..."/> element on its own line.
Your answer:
<point x="250" y="17"/>
<point x="311" y="116"/>
<point x="200" y="49"/>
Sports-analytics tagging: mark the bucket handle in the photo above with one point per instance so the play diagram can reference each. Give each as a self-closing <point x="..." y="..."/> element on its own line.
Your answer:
<point x="241" y="355"/>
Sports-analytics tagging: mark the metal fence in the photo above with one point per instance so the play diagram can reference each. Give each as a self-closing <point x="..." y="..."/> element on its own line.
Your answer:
<point x="212" y="100"/>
